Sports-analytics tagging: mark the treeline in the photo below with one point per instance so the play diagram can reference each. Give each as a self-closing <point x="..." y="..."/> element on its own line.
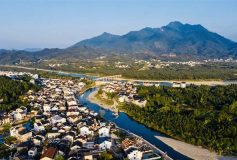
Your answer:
<point x="199" y="115"/>
<point x="220" y="71"/>
<point x="12" y="90"/>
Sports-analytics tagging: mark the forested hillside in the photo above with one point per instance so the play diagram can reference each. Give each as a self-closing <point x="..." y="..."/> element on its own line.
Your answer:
<point x="200" y="115"/>
<point x="12" y="90"/>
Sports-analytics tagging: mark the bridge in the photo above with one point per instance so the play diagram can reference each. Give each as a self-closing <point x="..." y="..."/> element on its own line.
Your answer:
<point x="109" y="78"/>
<point x="103" y="80"/>
<point x="118" y="78"/>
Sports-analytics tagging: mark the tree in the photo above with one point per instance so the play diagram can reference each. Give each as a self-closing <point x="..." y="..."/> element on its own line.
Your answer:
<point x="106" y="156"/>
<point x="6" y="127"/>
<point x="59" y="157"/>
<point x="10" y="140"/>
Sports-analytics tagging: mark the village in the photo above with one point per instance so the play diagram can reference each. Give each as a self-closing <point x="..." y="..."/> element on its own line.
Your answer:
<point x="126" y="92"/>
<point x="57" y="126"/>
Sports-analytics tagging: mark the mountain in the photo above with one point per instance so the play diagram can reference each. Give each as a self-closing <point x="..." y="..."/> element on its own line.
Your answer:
<point x="32" y="49"/>
<point x="176" y="38"/>
<point x="14" y="56"/>
<point x="101" y="41"/>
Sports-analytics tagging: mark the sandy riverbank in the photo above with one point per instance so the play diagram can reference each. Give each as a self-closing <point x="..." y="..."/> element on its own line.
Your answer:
<point x="197" y="82"/>
<point x="93" y="99"/>
<point x="192" y="151"/>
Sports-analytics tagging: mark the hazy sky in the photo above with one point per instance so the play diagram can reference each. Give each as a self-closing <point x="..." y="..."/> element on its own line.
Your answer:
<point x="61" y="23"/>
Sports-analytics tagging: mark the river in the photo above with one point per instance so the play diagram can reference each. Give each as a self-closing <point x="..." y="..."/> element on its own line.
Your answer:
<point x="125" y="122"/>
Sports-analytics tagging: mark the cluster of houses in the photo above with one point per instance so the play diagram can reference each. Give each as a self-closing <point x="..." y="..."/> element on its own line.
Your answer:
<point x="154" y="63"/>
<point x="221" y="60"/>
<point x="126" y="91"/>
<point x="121" y="65"/>
<point x="13" y="116"/>
<point x="136" y="150"/>
<point x="20" y="113"/>
<point x="12" y="74"/>
<point x="61" y="127"/>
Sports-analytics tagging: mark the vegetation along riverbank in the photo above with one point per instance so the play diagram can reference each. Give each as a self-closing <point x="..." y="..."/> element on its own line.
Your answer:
<point x="199" y="115"/>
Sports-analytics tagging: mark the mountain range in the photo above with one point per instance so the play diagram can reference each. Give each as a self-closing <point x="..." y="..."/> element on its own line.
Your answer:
<point x="176" y="39"/>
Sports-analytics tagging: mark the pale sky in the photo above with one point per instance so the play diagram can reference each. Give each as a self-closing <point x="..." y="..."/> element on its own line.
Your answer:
<point x="61" y="23"/>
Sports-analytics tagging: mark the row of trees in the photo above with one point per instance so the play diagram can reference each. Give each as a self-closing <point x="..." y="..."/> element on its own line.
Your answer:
<point x="199" y="115"/>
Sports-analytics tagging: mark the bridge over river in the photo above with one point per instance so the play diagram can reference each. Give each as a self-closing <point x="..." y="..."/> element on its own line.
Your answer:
<point x="119" y="78"/>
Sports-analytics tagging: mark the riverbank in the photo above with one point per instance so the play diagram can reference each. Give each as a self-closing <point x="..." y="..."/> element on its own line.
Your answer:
<point x="209" y="82"/>
<point x="92" y="98"/>
<point x="192" y="151"/>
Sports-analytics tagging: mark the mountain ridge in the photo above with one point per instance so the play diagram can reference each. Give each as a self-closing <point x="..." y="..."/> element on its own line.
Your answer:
<point x="176" y="38"/>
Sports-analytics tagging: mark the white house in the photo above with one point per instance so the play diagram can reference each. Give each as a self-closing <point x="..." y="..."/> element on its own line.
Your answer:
<point x="38" y="127"/>
<point x="35" y="76"/>
<point x="54" y="108"/>
<point x="85" y="131"/>
<point x="32" y="81"/>
<point x="32" y="152"/>
<point x="13" y="131"/>
<point x="122" y="99"/>
<point x="37" y="140"/>
<point x="104" y="132"/>
<point x="135" y="155"/>
<point x="175" y="84"/>
<point x="53" y="134"/>
<point x="46" y="108"/>
<point x="23" y="109"/>
<point x="183" y="85"/>
<point x="105" y="145"/>
<point x="81" y="84"/>
<point x="57" y="119"/>
<point x="17" y="116"/>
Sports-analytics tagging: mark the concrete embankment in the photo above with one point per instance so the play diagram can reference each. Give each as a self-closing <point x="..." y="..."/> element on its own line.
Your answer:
<point x="156" y="150"/>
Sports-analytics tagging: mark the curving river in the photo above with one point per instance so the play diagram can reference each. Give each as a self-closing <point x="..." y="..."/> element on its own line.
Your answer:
<point x="125" y="122"/>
